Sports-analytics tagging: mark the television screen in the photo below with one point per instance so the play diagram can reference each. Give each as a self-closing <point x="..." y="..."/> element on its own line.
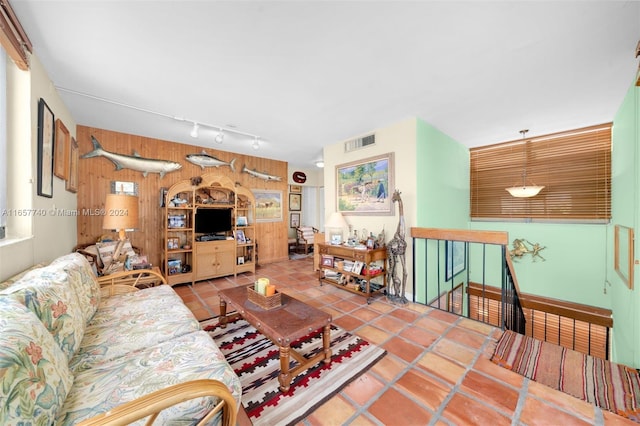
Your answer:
<point x="211" y="221"/>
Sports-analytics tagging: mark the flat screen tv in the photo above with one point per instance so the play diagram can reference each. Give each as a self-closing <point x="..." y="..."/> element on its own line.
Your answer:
<point x="213" y="221"/>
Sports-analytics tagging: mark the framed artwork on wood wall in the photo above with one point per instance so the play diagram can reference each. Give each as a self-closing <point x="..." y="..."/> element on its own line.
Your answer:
<point x="46" y="139"/>
<point x="61" y="156"/>
<point x="268" y="205"/>
<point x="294" y="221"/>
<point x="71" y="184"/>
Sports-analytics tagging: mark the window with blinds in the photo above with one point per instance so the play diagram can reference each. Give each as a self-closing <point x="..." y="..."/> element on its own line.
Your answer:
<point x="574" y="167"/>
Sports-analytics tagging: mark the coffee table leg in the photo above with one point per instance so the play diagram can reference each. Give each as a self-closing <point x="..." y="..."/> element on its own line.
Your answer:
<point x="326" y="343"/>
<point x="284" y="378"/>
<point x="223" y="313"/>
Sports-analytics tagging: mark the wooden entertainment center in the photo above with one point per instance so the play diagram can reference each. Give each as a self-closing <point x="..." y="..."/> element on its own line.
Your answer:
<point x="209" y="230"/>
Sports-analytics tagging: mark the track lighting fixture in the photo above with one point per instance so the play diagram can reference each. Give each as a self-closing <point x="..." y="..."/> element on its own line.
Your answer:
<point x="320" y="163"/>
<point x="219" y="136"/>
<point x="194" y="131"/>
<point x="196" y="126"/>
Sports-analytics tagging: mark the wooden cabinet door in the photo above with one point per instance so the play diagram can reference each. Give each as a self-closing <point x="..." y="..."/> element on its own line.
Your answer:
<point x="214" y="259"/>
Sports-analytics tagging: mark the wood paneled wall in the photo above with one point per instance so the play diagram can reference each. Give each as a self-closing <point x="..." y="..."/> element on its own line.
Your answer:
<point x="97" y="173"/>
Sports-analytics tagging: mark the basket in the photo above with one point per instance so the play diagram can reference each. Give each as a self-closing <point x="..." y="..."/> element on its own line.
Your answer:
<point x="265" y="302"/>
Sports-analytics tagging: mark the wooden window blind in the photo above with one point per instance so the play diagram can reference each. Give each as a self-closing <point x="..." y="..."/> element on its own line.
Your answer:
<point x="574" y="167"/>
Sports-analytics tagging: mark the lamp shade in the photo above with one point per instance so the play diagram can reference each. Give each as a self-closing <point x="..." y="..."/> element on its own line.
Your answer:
<point x="121" y="212"/>
<point x="524" y="191"/>
<point x="336" y="220"/>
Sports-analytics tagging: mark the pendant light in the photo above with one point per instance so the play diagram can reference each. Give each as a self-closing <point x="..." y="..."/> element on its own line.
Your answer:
<point x="524" y="191"/>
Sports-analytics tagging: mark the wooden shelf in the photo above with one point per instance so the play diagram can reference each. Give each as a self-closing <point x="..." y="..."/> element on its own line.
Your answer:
<point x="368" y="257"/>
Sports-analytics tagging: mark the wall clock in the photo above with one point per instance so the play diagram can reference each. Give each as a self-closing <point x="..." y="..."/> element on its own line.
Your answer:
<point x="299" y="177"/>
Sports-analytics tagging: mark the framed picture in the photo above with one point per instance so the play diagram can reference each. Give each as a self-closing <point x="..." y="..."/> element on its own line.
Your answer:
<point x="268" y="205"/>
<point x="455" y="258"/>
<point x="364" y="187"/>
<point x="240" y="237"/>
<point x="295" y="202"/>
<point x="46" y="138"/>
<point x="295" y="188"/>
<point x="62" y="146"/>
<point x="71" y="184"/>
<point x="294" y="220"/>
<point x="327" y="261"/>
<point x="242" y="221"/>
<point x="240" y="260"/>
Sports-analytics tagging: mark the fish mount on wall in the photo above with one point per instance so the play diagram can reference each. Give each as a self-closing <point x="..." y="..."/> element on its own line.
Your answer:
<point x="205" y="160"/>
<point x="260" y="175"/>
<point x="133" y="162"/>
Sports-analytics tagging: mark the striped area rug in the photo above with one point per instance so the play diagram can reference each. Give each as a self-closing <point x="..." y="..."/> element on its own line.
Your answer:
<point x="256" y="362"/>
<point x="610" y="386"/>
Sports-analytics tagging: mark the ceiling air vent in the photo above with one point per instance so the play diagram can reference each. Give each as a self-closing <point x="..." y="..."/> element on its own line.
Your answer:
<point x="359" y="143"/>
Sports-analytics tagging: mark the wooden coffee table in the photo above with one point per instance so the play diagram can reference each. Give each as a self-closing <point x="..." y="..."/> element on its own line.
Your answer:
<point x="282" y="325"/>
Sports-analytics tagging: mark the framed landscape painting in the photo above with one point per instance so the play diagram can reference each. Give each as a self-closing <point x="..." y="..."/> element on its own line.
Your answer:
<point x="455" y="258"/>
<point x="268" y="205"/>
<point x="364" y="187"/>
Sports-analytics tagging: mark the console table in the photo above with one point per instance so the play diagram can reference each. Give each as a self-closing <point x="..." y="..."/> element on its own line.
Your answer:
<point x="340" y="266"/>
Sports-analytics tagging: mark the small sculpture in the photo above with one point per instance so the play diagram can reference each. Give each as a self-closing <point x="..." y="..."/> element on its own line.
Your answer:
<point x="520" y="249"/>
<point x="397" y="248"/>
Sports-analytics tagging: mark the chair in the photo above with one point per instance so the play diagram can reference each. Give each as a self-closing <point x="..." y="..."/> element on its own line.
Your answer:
<point x="306" y="235"/>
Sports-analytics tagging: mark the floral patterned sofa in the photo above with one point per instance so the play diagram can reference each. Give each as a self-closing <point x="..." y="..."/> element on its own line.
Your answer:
<point x="68" y="354"/>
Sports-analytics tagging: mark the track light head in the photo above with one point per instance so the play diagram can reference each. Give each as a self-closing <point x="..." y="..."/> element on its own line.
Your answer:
<point x="256" y="144"/>
<point x="194" y="131"/>
<point x="219" y="136"/>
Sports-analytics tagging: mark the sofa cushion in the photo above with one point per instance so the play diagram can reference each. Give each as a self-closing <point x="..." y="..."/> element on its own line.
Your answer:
<point x="132" y="322"/>
<point x="34" y="375"/>
<point x="188" y="357"/>
<point x="84" y="281"/>
<point x="9" y="281"/>
<point x="48" y="293"/>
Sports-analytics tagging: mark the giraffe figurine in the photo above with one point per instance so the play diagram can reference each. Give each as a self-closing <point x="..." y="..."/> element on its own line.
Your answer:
<point x="397" y="248"/>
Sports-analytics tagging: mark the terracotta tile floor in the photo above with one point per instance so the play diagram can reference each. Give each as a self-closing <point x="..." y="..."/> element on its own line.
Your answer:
<point x="436" y="371"/>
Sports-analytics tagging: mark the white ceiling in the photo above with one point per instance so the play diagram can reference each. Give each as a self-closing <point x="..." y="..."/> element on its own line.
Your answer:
<point x="302" y="75"/>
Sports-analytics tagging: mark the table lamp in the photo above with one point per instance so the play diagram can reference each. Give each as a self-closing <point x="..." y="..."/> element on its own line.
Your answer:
<point x="121" y="214"/>
<point x="335" y="227"/>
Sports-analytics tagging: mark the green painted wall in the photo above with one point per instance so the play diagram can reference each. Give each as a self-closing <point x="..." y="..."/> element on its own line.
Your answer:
<point x="625" y="210"/>
<point x="442" y="188"/>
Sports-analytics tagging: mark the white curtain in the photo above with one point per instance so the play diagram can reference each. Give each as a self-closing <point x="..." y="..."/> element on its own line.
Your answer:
<point x="312" y="206"/>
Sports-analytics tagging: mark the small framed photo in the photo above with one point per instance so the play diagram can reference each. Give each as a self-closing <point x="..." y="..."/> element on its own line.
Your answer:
<point x="295" y="188"/>
<point x="240" y="237"/>
<point x="173" y="243"/>
<point x="241" y="221"/>
<point x="294" y="221"/>
<point x="240" y="260"/>
<point x="295" y="202"/>
<point x="327" y="261"/>
<point x="357" y="267"/>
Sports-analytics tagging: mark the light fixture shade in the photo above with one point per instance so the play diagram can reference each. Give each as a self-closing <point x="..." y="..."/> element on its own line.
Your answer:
<point x="219" y="137"/>
<point x="121" y="212"/>
<point x="524" y="191"/>
<point x="334" y="227"/>
<point x="194" y="131"/>
<point x="256" y="144"/>
<point x="320" y="164"/>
